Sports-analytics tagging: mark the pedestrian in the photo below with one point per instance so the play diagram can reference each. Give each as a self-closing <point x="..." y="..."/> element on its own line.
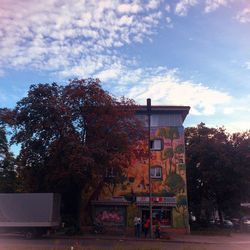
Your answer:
<point x="137" y="226"/>
<point x="146" y="227"/>
<point x="143" y="223"/>
<point x="157" y="229"/>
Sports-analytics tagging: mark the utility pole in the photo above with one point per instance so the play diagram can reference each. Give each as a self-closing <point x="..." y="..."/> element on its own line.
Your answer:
<point x="149" y="174"/>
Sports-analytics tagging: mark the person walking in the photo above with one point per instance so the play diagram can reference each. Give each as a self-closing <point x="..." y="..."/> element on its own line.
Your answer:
<point x="143" y="223"/>
<point x="137" y="226"/>
<point x="146" y="227"/>
<point x="157" y="229"/>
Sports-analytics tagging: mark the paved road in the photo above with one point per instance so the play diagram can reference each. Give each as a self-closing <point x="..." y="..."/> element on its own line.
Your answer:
<point x="18" y="243"/>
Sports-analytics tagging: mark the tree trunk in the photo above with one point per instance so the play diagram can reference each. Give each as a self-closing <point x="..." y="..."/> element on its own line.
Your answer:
<point x="87" y="207"/>
<point x="220" y="215"/>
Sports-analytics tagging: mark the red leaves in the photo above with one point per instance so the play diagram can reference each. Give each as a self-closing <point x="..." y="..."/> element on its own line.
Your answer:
<point x="75" y="131"/>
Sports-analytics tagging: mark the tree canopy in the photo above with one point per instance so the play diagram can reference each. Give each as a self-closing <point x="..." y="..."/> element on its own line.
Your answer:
<point x="71" y="135"/>
<point x="216" y="171"/>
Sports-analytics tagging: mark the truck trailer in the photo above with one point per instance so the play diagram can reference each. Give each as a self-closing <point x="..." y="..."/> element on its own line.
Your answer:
<point x="33" y="214"/>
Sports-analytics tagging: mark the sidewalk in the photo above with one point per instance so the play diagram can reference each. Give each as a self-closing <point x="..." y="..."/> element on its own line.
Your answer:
<point x="235" y="238"/>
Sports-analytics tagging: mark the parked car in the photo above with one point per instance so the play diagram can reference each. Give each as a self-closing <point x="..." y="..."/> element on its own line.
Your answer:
<point x="228" y="224"/>
<point x="236" y="224"/>
<point x="245" y="221"/>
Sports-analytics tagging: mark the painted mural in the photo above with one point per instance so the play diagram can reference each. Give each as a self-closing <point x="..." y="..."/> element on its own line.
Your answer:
<point x="112" y="215"/>
<point x="168" y="173"/>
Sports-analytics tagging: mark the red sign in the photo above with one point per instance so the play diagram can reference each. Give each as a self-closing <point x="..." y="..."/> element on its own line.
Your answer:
<point x="159" y="199"/>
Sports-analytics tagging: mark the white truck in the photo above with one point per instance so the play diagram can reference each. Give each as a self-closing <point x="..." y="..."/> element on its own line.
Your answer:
<point x="33" y="214"/>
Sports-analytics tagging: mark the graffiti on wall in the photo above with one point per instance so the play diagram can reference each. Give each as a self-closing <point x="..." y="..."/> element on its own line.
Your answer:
<point x="110" y="215"/>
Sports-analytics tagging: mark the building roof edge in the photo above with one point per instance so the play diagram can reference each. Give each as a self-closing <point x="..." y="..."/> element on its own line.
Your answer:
<point x="163" y="109"/>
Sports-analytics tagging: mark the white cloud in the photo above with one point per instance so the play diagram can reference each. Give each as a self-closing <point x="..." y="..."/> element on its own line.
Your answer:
<point x="125" y="20"/>
<point x="239" y="105"/>
<point x="164" y="86"/>
<point x="238" y="126"/>
<point x="72" y="36"/>
<point x="169" y="22"/>
<point x="129" y="8"/>
<point x="238" y="113"/>
<point x="212" y="5"/>
<point x="112" y="73"/>
<point x="244" y="15"/>
<point x="153" y="4"/>
<point x="182" y="6"/>
<point x="167" y="8"/>
<point x="248" y="65"/>
<point x="171" y="90"/>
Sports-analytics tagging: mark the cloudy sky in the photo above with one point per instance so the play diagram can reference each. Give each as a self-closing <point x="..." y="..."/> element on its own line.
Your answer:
<point x="177" y="52"/>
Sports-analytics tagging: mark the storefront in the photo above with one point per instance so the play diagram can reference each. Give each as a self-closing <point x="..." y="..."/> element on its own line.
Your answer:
<point x="161" y="209"/>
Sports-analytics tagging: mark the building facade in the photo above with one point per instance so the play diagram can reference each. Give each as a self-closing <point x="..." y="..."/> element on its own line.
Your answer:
<point x="119" y="203"/>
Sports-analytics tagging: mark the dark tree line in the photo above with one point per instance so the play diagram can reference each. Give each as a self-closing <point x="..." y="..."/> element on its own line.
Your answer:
<point x="218" y="169"/>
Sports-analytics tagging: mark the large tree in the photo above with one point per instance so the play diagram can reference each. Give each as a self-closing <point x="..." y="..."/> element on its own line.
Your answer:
<point x="70" y="136"/>
<point x="214" y="177"/>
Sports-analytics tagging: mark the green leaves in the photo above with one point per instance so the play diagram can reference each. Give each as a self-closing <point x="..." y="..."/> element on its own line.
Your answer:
<point x="169" y="133"/>
<point x="179" y="149"/>
<point x="168" y="153"/>
<point x="175" y="182"/>
<point x="216" y="175"/>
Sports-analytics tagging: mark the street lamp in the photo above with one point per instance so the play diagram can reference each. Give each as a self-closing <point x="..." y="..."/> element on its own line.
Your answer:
<point x="149" y="174"/>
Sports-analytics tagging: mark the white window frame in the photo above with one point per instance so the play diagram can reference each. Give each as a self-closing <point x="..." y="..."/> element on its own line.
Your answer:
<point x="156" y="172"/>
<point x="156" y="144"/>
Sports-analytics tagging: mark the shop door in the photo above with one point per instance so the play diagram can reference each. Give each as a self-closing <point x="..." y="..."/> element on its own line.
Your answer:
<point x="162" y="214"/>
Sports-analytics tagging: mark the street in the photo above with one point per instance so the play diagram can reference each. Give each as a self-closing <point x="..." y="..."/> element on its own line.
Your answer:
<point x="15" y="242"/>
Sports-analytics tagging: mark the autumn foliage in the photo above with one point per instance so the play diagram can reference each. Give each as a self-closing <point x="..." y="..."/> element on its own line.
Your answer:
<point x="70" y="136"/>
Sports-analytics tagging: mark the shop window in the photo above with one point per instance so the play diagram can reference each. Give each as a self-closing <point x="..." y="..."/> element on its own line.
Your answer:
<point x="156" y="172"/>
<point x="156" y="144"/>
<point x="161" y="213"/>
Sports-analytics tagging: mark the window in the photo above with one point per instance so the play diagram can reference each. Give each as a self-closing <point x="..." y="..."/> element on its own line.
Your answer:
<point x="156" y="144"/>
<point x="180" y="160"/>
<point x="156" y="172"/>
<point x="162" y="213"/>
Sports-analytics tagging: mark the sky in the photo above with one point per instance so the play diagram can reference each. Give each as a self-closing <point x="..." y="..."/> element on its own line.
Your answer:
<point x="177" y="52"/>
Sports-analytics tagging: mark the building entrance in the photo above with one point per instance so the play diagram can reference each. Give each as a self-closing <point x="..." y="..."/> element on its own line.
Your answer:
<point x="161" y="213"/>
